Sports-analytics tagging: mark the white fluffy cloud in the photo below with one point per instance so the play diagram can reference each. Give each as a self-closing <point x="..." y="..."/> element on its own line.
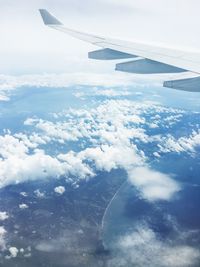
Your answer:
<point x="39" y="166"/>
<point x="29" y="167"/>
<point x="182" y="144"/>
<point x="17" y="164"/>
<point x="3" y="215"/>
<point x="60" y="131"/>
<point x="34" y="166"/>
<point x="112" y="157"/>
<point x="59" y="190"/>
<point x="153" y="185"/>
<point x="11" y="146"/>
<point x="13" y="252"/>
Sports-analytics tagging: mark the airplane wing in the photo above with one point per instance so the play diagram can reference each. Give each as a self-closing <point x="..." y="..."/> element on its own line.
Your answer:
<point x="142" y="58"/>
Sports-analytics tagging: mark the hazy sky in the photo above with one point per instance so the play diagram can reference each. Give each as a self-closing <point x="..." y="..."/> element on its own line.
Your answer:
<point x="27" y="46"/>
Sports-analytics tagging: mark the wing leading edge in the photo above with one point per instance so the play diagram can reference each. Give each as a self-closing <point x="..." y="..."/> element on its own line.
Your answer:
<point x="144" y="58"/>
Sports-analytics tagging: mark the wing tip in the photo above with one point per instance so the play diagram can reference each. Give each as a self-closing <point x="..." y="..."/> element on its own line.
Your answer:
<point x="48" y="19"/>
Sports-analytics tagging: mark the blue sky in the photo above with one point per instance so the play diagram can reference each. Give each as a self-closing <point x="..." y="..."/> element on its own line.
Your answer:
<point x="28" y="47"/>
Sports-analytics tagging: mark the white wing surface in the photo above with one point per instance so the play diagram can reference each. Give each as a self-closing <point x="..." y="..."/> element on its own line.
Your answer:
<point x="142" y="58"/>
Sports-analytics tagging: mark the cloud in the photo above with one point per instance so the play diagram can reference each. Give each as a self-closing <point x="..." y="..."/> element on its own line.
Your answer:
<point x="77" y="127"/>
<point x="39" y="194"/>
<point x="23" y="206"/>
<point x="13" y="252"/>
<point x="39" y="166"/>
<point x="107" y="157"/>
<point x="59" y="190"/>
<point x="182" y="144"/>
<point x="3" y="215"/>
<point x="143" y="247"/>
<point x="2" y="238"/>
<point x="28" y="167"/>
<point x="24" y="194"/>
<point x="74" y="165"/>
<point x="57" y="130"/>
<point x="53" y="80"/>
<point x="11" y="146"/>
<point x="153" y="185"/>
<point x="8" y="83"/>
<point x="112" y="130"/>
<point x="109" y="93"/>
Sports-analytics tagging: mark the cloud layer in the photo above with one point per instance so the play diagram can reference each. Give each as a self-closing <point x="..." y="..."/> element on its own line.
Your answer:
<point x="111" y="131"/>
<point x="143" y="247"/>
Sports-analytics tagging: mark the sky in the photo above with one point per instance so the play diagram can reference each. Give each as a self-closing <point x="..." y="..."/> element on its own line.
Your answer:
<point x="27" y="47"/>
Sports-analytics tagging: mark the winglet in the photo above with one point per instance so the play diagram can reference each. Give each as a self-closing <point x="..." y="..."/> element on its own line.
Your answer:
<point x="48" y="18"/>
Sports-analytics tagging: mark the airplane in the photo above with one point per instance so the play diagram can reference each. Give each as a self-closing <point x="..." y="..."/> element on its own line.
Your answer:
<point x="142" y="58"/>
